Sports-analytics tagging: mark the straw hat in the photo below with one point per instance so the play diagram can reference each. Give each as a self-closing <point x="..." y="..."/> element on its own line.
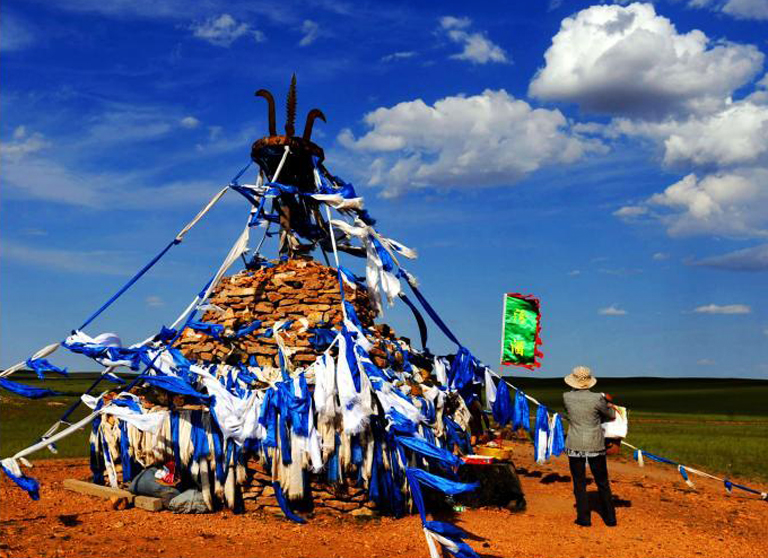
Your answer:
<point x="580" y="378"/>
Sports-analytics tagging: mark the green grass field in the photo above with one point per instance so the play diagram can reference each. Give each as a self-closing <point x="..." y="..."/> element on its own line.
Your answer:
<point x="718" y="425"/>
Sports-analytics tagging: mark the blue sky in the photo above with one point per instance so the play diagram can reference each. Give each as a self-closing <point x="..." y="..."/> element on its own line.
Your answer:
<point x="611" y="159"/>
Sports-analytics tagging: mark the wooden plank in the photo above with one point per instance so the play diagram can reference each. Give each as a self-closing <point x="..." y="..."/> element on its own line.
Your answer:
<point x="144" y="502"/>
<point x="148" y="503"/>
<point x="91" y="489"/>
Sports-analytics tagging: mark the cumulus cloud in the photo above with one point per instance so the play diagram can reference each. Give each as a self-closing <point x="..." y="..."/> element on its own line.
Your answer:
<point x="627" y="60"/>
<point x="189" y="122"/>
<point x="612" y="310"/>
<point x="311" y="31"/>
<point x="740" y="9"/>
<point x="477" y="48"/>
<point x="736" y="135"/>
<point x="490" y="139"/>
<point x="728" y="203"/>
<point x="725" y="309"/>
<point x="725" y="157"/>
<point x="754" y="258"/>
<point x="224" y="30"/>
<point x="660" y="256"/>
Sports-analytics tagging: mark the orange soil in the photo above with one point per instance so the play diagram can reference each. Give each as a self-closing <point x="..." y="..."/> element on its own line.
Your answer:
<point x="659" y="517"/>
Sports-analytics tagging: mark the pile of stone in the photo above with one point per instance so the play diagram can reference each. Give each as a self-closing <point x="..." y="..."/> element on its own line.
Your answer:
<point x="298" y="289"/>
<point x="324" y="498"/>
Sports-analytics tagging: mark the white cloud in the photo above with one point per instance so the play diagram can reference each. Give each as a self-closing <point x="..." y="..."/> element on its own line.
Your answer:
<point x="705" y="362"/>
<point x="629" y="60"/>
<point x="574" y="273"/>
<point x="728" y="203"/>
<point x="154" y="301"/>
<point x="612" y="310"/>
<point x="489" y="139"/>
<point x="740" y="9"/>
<point x="725" y="309"/>
<point x="630" y="211"/>
<point x="478" y="48"/>
<point x="224" y="30"/>
<point x="660" y="256"/>
<point x="746" y="259"/>
<point x="311" y="31"/>
<point x="400" y="55"/>
<point x="725" y="156"/>
<point x="747" y="9"/>
<point x="67" y="260"/>
<point x="736" y="135"/>
<point x="189" y="122"/>
<point x="23" y="144"/>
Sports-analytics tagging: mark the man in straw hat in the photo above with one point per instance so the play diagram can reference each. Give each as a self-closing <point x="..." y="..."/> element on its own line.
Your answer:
<point x="585" y="443"/>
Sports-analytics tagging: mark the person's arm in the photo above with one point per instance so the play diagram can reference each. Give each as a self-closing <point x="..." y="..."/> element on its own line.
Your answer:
<point x="606" y="410"/>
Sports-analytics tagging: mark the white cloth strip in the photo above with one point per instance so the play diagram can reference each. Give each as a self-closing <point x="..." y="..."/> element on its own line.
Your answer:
<point x="335" y="254"/>
<point x="56" y="437"/>
<point x="200" y="215"/>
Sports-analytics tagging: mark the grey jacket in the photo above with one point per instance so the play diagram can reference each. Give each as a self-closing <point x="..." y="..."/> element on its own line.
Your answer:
<point x="586" y="411"/>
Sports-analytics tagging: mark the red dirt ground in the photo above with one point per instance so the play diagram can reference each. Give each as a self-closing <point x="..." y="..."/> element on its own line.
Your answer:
<point x="659" y="517"/>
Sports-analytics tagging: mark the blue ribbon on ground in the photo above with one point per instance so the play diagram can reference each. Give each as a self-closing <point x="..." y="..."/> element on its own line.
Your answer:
<point x="30" y="485"/>
<point x="283" y="503"/>
<point x="29" y="392"/>
<point x="455" y="534"/>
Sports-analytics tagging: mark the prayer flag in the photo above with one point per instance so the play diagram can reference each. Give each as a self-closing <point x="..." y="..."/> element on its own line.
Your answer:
<point x="520" y="331"/>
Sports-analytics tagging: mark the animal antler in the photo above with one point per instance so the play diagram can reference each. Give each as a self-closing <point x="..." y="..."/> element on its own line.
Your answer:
<point x="290" y="106"/>
<point x="314" y="113"/>
<point x="271" y="102"/>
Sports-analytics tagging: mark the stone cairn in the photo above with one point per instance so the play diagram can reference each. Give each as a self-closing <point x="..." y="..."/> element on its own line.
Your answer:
<point x="307" y="292"/>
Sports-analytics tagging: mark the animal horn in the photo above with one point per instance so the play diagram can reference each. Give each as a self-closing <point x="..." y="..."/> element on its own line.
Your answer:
<point x="290" y="106"/>
<point x="271" y="102"/>
<point x="314" y="113"/>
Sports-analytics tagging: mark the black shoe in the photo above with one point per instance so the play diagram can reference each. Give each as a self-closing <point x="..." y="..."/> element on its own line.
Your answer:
<point x="610" y="523"/>
<point x="583" y="523"/>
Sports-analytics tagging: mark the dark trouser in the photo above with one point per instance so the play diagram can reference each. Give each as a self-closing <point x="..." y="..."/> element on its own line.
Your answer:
<point x="600" y="473"/>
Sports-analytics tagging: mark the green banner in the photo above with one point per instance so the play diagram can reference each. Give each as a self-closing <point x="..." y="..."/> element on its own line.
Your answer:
<point x="520" y="336"/>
